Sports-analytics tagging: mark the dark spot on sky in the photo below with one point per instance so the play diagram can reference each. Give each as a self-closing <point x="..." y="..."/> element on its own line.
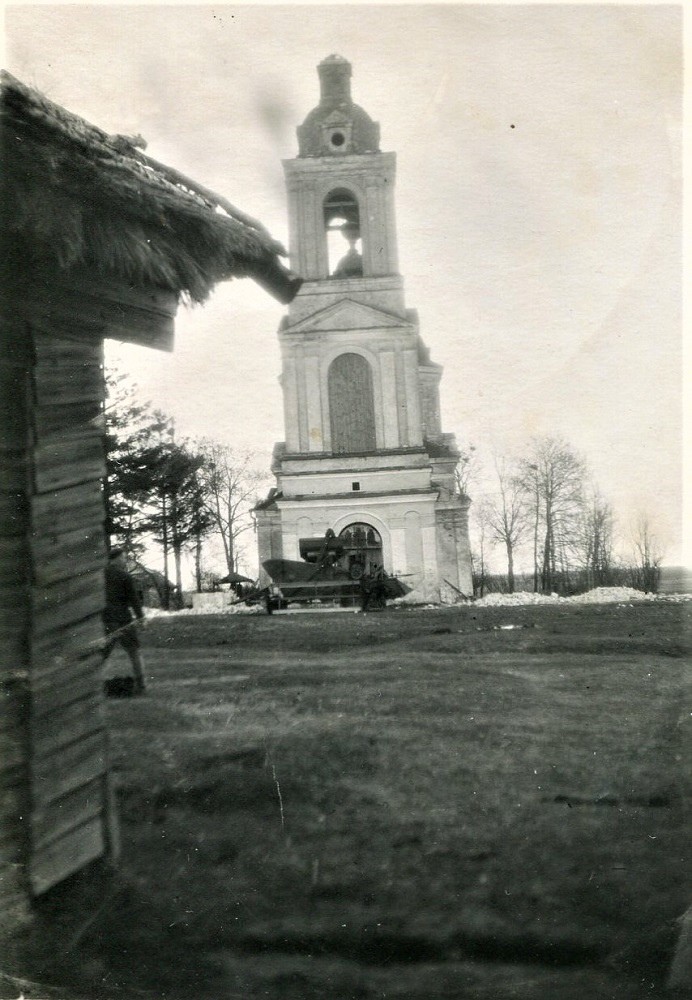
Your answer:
<point x="512" y="126"/>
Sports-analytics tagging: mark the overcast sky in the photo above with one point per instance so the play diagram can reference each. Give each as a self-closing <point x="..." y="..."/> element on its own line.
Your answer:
<point x="538" y="204"/>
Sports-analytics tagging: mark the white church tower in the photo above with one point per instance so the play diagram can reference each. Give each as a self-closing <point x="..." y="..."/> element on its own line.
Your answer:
<point x="364" y="452"/>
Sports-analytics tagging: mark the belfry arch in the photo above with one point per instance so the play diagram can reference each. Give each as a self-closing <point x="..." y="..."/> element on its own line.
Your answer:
<point x="343" y="234"/>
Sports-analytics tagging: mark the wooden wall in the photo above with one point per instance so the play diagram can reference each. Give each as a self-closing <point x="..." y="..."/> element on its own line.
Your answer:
<point x="70" y="819"/>
<point x="15" y="604"/>
<point x="56" y="804"/>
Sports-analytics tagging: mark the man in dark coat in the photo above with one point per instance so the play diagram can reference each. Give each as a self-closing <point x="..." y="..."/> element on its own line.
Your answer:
<point x="121" y="599"/>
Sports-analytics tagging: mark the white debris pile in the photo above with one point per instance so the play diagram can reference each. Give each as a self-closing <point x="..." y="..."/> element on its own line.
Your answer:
<point x="600" y="595"/>
<point x="611" y="595"/>
<point x="228" y="609"/>
<point x="520" y="597"/>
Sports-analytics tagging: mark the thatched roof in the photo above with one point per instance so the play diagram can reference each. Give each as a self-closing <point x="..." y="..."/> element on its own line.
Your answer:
<point x="75" y="197"/>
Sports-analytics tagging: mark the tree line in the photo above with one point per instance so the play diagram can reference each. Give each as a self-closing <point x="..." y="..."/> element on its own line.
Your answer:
<point x="539" y="510"/>
<point x="545" y="507"/>
<point x="178" y="494"/>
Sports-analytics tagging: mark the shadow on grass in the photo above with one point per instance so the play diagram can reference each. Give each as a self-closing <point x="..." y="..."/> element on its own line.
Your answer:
<point x="129" y="946"/>
<point x="371" y="947"/>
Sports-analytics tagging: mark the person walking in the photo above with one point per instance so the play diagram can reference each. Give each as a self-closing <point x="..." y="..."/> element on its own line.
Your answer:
<point x="121" y="599"/>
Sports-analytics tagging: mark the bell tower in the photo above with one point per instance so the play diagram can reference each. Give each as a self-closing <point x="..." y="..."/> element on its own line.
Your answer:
<point x="341" y="184"/>
<point x="364" y="452"/>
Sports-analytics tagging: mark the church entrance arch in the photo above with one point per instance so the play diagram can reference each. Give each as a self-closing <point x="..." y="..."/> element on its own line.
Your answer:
<point x="362" y="549"/>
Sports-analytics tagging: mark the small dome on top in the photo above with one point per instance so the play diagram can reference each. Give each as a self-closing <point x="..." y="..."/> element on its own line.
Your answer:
<point x="337" y="126"/>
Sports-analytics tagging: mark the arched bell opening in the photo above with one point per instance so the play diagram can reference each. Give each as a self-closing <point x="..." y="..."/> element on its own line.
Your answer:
<point x="362" y="554"/>
<point x="342" y="228"/>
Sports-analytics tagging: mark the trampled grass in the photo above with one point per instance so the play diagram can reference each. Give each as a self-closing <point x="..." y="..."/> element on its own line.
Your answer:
<point x="410" y="804"/>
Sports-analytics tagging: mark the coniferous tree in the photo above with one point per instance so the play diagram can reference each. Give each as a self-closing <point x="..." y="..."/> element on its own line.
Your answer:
<point x="131" y="431"/>
<point x="152" y="487"/>
<point x="176" y="505"/>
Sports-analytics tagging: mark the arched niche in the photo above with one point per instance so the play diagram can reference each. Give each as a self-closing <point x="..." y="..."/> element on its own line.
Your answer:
<point x="351" y="405"/>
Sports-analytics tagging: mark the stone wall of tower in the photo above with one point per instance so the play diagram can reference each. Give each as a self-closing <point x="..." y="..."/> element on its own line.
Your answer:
<point x="371" y="181"/>
<point x="453" y="552"/>
<point x="429" y="379"/>
<point x="390" y="348"/>
<point x="390" y="466"/>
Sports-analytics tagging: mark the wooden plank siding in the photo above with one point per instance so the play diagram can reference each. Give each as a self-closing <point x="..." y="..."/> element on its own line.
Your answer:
<point x="67" y="509"/>
<point x="15" y="494"/>
<point x="57" y="812"/>
<point x="51" y="863"/>
<point x="56" y="554"/>
<point x="58" y="646"/>
<point x="67" y="603"/>
<point x="80" y="309"/>
<point x="68" y="461"/>
<point x="69" y="745"/>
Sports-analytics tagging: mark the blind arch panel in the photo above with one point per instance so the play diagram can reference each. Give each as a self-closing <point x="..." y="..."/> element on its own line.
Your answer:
<point x="351" y="405"/>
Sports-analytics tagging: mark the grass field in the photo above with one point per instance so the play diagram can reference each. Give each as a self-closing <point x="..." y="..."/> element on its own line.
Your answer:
<point x="410" y="804"/>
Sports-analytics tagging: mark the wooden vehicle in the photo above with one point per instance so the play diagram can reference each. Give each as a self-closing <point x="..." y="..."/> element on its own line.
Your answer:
<point x="320" y="577"/>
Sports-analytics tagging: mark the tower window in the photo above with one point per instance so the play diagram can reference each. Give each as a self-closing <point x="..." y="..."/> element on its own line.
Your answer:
<point x="342" y="223"/>
<point x="337" y="139"/>
<point x="355" y="487"/>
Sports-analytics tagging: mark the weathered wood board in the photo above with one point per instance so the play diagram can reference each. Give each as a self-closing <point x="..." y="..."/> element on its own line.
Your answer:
<point x="56" y="802"/>
<point x="68" y="765"/>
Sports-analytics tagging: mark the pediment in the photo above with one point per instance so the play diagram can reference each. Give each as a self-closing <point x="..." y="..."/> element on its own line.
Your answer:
<point x="348" y="315"/>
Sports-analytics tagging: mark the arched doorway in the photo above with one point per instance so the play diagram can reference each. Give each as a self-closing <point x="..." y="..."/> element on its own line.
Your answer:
<point x="362" y="550"/>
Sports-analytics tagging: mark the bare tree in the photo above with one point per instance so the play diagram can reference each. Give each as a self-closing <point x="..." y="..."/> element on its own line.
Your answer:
<point x="467" y="469"/>
<point x="508" y="514"/>
<point x="481" y="542"/>
<point x="530" y="486"/>
<point x="552" y="479"/>
<point x="231" y="487"/>
<point x="648" y="554"/>
<point x="595" y="540"/>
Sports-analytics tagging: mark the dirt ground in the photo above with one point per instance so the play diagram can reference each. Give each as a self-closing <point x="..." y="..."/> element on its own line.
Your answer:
<point x="414" y="804"/>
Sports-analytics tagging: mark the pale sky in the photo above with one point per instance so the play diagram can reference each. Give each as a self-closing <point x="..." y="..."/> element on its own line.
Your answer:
<point x="538" y="204"/>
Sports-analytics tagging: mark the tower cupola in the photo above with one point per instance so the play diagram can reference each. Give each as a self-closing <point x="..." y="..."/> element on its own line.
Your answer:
<point x="335" y="81"/>
<point x="337" y="126"/>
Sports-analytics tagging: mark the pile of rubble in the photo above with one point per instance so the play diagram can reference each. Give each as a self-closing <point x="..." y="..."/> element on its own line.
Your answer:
<point x="601" y="595"/>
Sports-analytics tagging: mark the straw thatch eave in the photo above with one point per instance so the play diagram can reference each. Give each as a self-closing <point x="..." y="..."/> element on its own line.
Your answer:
<point x="74" y="197"/>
